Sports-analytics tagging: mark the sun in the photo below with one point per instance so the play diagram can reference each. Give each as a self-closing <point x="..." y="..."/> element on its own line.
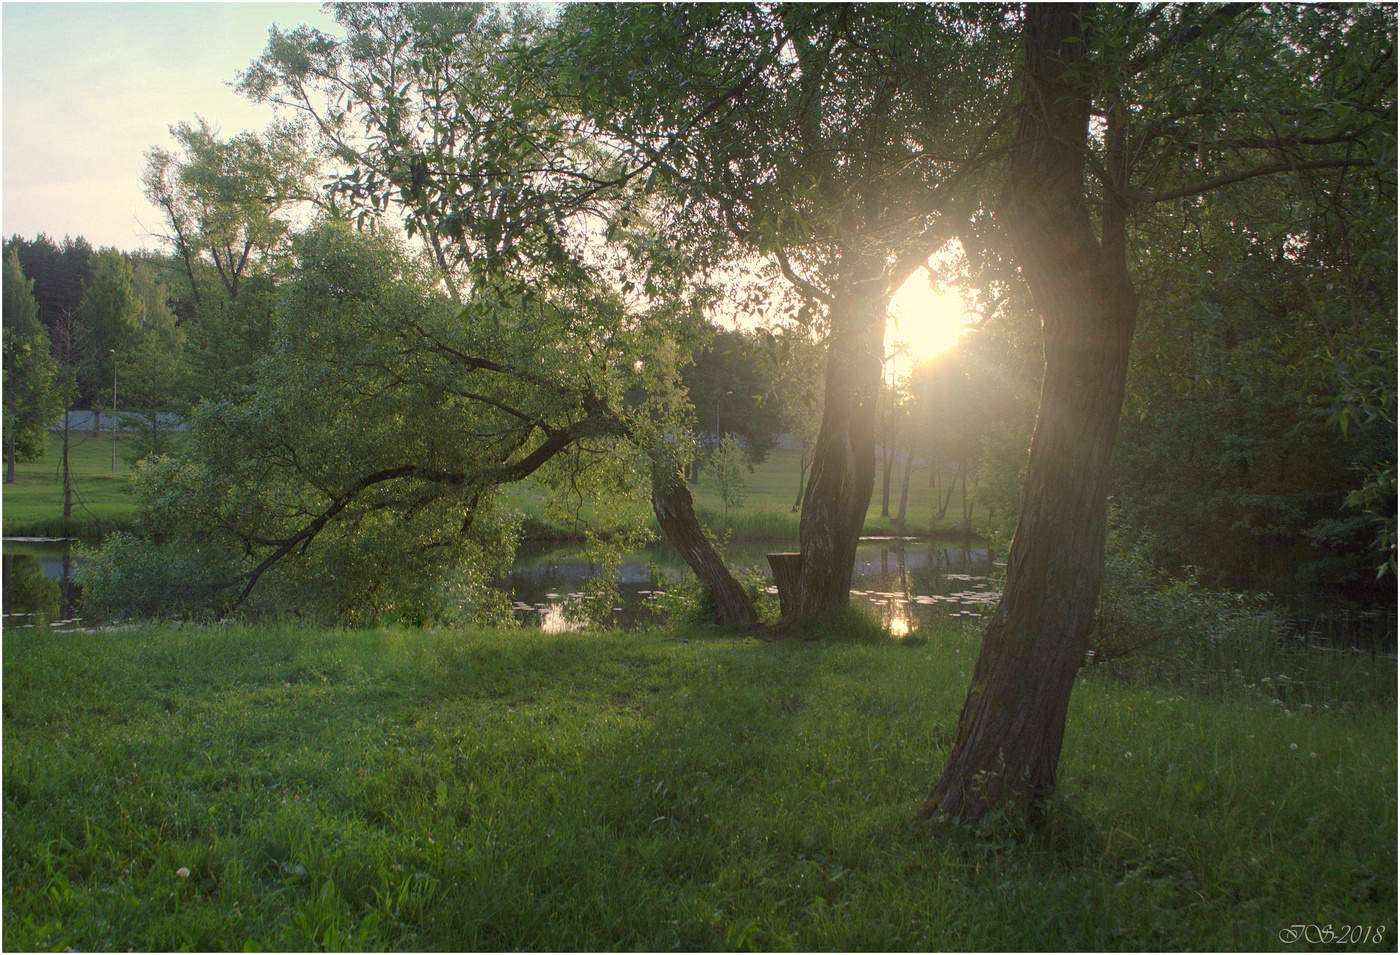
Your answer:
<point x="925" y="321"/>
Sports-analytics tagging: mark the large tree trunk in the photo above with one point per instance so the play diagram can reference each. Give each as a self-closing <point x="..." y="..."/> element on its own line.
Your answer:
<point x="10" y="455"/>
<point x="1009" y="735"/>
<point x="675" y="512"/>
<point x="842" y="477"/>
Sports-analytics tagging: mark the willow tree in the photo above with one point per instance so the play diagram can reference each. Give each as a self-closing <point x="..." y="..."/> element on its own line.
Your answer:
<point x="430" y="122"/>
<point x="363" y="474"/>
<point x="1149" y="105"/>
<point x="840" y="145"/>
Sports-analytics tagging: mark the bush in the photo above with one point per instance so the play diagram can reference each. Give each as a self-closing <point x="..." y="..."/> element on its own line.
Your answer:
<point x="129" y="577"/>
<point x="1170" y="629"/>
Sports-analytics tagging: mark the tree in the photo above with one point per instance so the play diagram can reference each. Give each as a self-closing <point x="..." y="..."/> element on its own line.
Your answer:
<point x="152" y="365"/>
<point x="503" y="190"/>
<point x="729" y="474"/>
<point x="69" y="344"/>
<point x="225" y="201"/>
<point x="361" y="472"/>
<point x="731" y="390"/>
<point x="1125" y="67"/>
<point x="799" y="361"/>
<point x="841" y="144"/>
<point x="33" y="393"/>
<point x="108" y="313"/>
<point x="227" y="205"/>
<point x="60" y="273"/>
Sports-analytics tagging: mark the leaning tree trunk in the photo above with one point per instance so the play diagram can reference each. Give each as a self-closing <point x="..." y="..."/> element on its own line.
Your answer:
<point x="675" y="513"/>
<point x="1007" y="745"/>
<point x="842" y="477"/>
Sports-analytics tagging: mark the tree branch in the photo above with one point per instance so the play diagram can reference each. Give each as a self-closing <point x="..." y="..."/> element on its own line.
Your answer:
<point x="1241" y="175"/>
<point x="803" y="285"/>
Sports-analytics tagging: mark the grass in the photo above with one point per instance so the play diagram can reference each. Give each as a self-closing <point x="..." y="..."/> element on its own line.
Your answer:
<point x="102" y="499"/>
<point x="284" y="788"/>
<point x="766" y="513"/>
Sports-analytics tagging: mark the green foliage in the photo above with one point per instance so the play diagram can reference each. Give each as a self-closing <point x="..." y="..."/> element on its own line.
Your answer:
<point x="731" y="387"/>
<point x="152" y="371"/>
<point x="108" y="313"/>
<point x="395" y="789"/>
<point x="729" y="465"/>
<point x="225" y="201"/>
<point x="758" y="120"/>
<point x="432" y="118"/>
<point x="362" y="474"/>
<point x="1171" y="630"/>
<point x="34" y="390"/>
<point x="131" y="578"/>
<point x="227" y="205"/>
<point x="1259" y="430"/>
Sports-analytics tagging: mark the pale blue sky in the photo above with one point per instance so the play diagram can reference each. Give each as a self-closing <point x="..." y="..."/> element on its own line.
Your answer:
<point x="88" y="88"/>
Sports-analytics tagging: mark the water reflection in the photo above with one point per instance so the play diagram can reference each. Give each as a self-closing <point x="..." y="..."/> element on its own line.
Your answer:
<point x="907" y="584"/>
<point x="38" y="583"/>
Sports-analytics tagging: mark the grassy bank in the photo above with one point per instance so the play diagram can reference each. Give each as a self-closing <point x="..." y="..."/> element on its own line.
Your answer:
<point x="291" y="789"/>
<point x="766" y="512"/>
<point x="102" y="498"/>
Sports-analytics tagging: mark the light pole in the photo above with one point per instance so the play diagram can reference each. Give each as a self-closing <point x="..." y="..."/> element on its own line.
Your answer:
<point x="113" y="352"/>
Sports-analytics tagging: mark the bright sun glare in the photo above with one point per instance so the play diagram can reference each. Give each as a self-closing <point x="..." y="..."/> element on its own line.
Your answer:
<point x="926" y="321"/>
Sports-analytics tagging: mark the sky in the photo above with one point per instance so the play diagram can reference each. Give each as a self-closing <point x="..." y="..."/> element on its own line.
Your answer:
<point x="89" y="88"/>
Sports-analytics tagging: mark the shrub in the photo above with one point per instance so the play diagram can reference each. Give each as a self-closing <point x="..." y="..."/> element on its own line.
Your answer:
<point x="129" y="577"/>
<point x="1169" y="628"/>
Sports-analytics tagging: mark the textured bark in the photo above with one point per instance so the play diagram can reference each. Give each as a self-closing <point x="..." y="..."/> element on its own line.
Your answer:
<point x="675" y="513"/>
<point x="842" y="477"/>
<point x="1009" y="735"/>
<point x="787" y="570"/>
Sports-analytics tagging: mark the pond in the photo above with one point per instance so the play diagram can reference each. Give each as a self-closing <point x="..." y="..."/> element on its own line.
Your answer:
<point x="908" y="583"/>
<point x="38" y="580"/>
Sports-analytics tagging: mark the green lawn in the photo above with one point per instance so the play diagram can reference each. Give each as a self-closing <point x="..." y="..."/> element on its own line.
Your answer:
<point x="33" y="504"/>
<point x="286" y="789"/>
<point x="769" y="490"/>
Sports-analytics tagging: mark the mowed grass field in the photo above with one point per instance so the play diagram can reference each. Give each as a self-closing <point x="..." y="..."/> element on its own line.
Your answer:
<point x="102" y="498"/>
<point x="388" y="789"/>
<point x="33" y="504"/>
<point x="766" y="509"/>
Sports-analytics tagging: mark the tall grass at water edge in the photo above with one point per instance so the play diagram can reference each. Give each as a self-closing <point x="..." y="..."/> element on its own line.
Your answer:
<point x="285" y="788"/>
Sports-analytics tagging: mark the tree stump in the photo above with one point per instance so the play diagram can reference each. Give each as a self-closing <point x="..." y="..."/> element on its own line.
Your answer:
<point x="787" y="568"/>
